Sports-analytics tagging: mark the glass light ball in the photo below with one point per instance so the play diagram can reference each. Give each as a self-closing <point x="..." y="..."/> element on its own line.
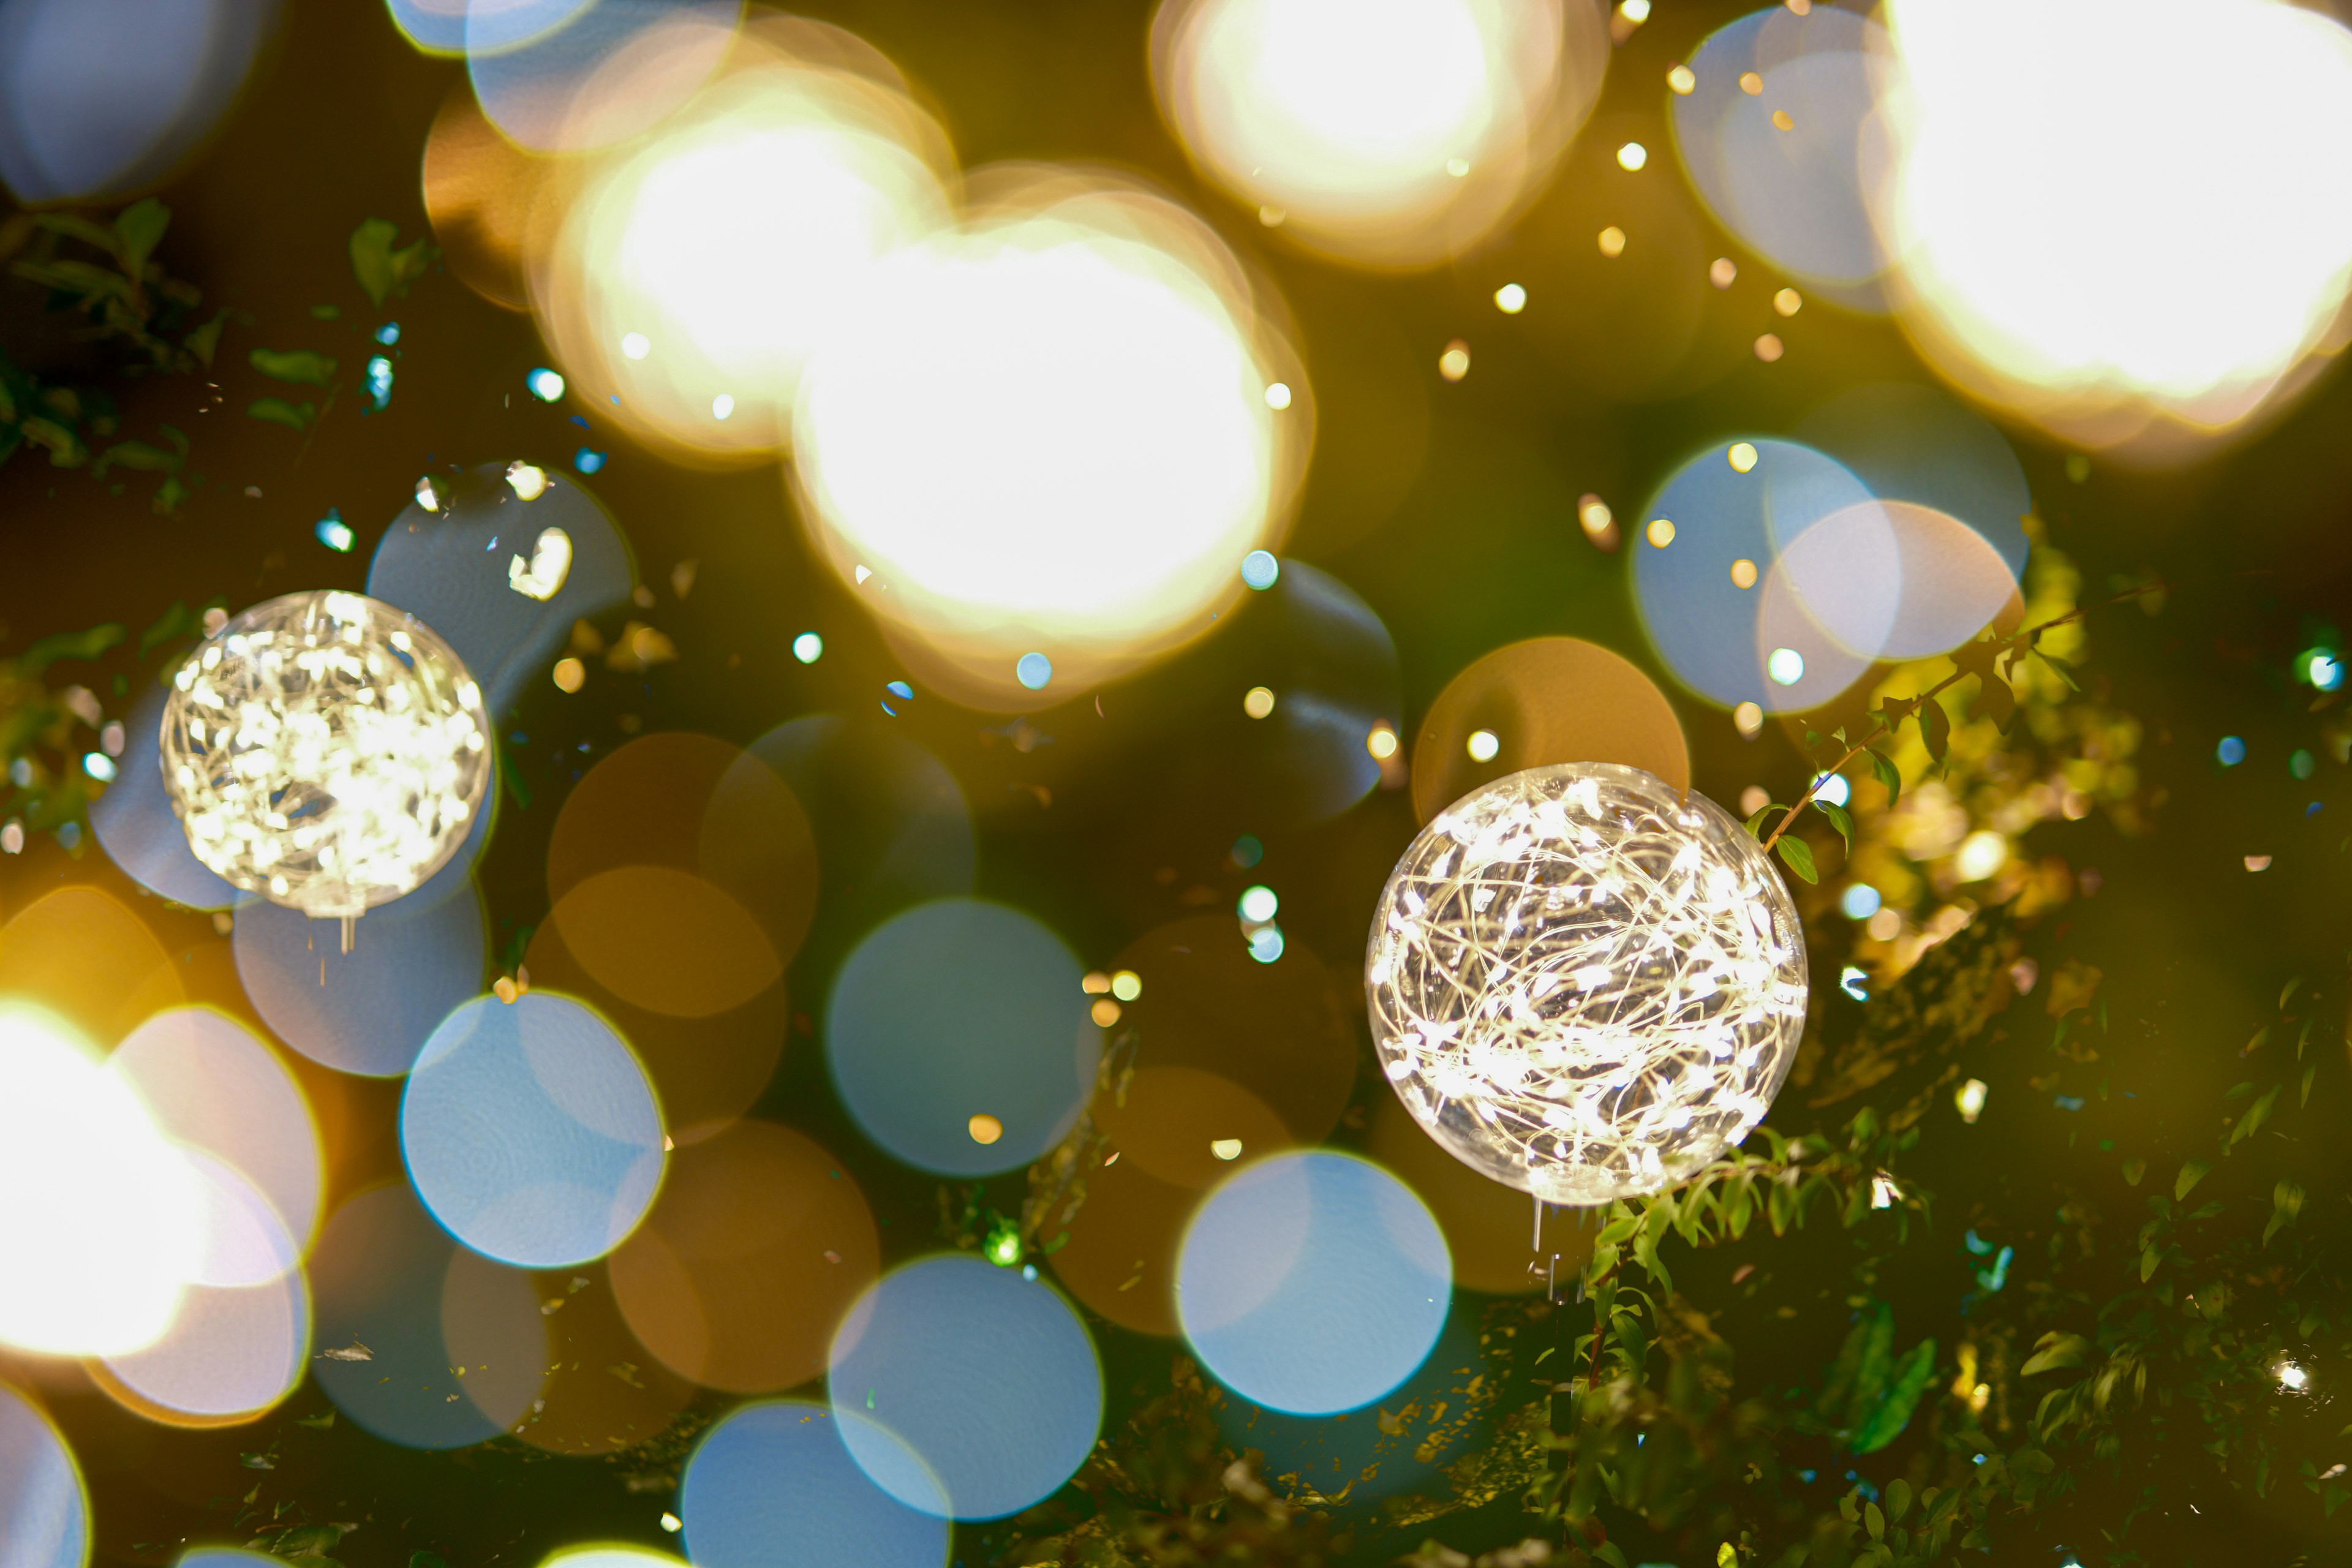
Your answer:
<point x="325" y="750"/>
<point x="1585" y="984"/>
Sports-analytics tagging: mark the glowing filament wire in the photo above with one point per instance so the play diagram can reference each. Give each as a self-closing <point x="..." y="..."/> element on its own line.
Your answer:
<point x="326" y="752"/>
<point x="1585" y="984"/>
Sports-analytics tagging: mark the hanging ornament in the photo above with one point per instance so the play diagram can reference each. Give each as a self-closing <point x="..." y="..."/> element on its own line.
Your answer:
<point x="325" y="750"/>
<point x="1584" y="983"/>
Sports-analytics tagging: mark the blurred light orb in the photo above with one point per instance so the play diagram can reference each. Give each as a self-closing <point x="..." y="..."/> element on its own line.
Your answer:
<point x="808" y="647"/>
<point x="1313" y="1282"/>
<point x="545" y="385"/>
<point x="101" y="1221"/>
<point x="1386" y="133"/>
<point x="1047" y="433"/>
<point x="772" y="1485"/>
<point x="530" y="1130"/>
<point x="1586" y="984"/>
<point x="100" y="98"/>
<point x="44" y="1507"/>
<point x="561" y="75"/>
<point x="1859" y="901"/>
<point x="2184" y="265"/>
<point x="1261" y="569"/>
<point x="325" y="750"/>
<point x="695" y="275"/>
<point x="980" y="1387"/>
<point x="955" y="1008"/>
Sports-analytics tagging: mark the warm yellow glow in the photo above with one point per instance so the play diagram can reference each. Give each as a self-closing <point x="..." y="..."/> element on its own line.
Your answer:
<point x="1788" y="302"/>
<point x="1454" y="362"/>
<point x="984" y="1127"/>
<point x="1381" y="743"/>
<point x="695" y="273"/>
<point x="1104" y="1013"/>
<point x="1257" y="702"/>
<point x="1743" y="455"/>
<point x="1722" y="271"/>
<point x="1633" y="156"/>
<point x="101" y="1222"/>
<point x="1661" y="532"/>
<point x="1743" y="572"/>
<point x="1048" y="433"/>
<point x="1277" y="396"/>
<point x="570" y="674"/>
<point x="1483" y="745"/>
<point x="1770" y="348"/>
<point x="1613" y="242"/>
<point x="1510" y="298"/>
<point x="1748" y="720"/>
<point x="1388" y="131"/>
<point x="2185" y="261"/>
<point x="1593" y="515"/>
<point x="1126" y="985"/>
<point x="1971" y="1100"/>
<point x="1751" y="84"/>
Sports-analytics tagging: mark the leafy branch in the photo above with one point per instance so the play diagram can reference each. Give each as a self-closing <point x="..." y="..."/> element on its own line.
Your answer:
<point x="1994" y="661"/>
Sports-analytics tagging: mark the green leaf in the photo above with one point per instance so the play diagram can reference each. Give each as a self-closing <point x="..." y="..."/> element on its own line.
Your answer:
<point x="204" y="342"/>
<point x="1799" y="856"/>
<point x="2191" y="1172"/>
<point x="1873" y="1520"/>
<point x="136" y="455"/>
<point x="307" y="1537"/>
<point x="68" y="645"/>
<point x="2133" y="1169"/>
<point x="1840" y="818"/>
<point x="1755" y="825"/>
<point x="381" y="270"/>
<point x="140" y="229"/>
<point x="425" y="1560"/>
<point x="2286" y="1203"/>
<point x="1898" y="1498"/>
<point x="2256" y="1114"/>
<point x="2148" y="1260"/>
<point x="1868" y="1343"/>
<point x="277" y="411"/>
<point x="2059" y="667"/>
<point x="2054" y="1350"/>
<point x="1935" y="729"/>
<point x="299" y="366"/>
<point x="1910" y="1380"/>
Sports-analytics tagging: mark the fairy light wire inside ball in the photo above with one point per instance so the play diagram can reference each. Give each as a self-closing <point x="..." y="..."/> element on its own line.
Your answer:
<point x="1585" y="984"/>
<point x="325" y="750"/>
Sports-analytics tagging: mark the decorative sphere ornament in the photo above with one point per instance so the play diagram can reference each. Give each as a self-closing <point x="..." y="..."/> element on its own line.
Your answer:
<point x="325" y="750"/>
<point x="1585" y="984"/>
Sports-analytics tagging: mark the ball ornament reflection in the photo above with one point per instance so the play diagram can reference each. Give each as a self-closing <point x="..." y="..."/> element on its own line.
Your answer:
<point x="325" y="750"/>
<point x="1584" y="983"/>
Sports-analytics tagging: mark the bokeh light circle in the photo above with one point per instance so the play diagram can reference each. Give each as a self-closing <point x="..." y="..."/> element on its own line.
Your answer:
<point x="1786" y="168"/>
<point x="1544" y="701"/>
<point x="1047" y="433"/>
<point x="608" y="1557"/>
<point x="756" y="1249"/>
<point x="1707" y="628"/>
<point x="772" y="1485"/>
<point x="1389" y="132"/>
<point x="2178" y="280"/>
<point x="231" y="1354"/>
<point x="732" y="239"/>
<point x="1313" y="1282"/>
<point x="90" y="1178"/>
<point x="531" y="1132"/>
<point x="43" y="1507"/>
<point x="605" y="72"/>
<point x="400" y="1307"/>
<point x="211" y="1085"/>
<point x="982" y="1387"/>
<point x="99" y="98"/>
<point x="957" y="1008"/>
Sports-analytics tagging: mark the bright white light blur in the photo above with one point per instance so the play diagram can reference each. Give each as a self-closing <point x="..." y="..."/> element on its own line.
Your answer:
<point x="1049" y="433"/>
<point x="1483" y="745"/>
<point x="100" y="1223"/>
<point x="1259" y="905"/>
<point x="1387" y="131"/>
<point x="1511" y="299"/>
<point x="1786" y="666"/>
<point x="2293" y="1378"/>
<point x="1969" y="1100"/>
<point x="1981" y="854"/>
<point x="2182" y="262"/>
<point x="1833" y="788"/>
<point x="808" y="647"/>
<point x="714" y="253"/>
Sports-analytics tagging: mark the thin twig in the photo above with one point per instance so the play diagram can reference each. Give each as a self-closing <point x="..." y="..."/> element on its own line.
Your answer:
<point x="1882" y="727"/>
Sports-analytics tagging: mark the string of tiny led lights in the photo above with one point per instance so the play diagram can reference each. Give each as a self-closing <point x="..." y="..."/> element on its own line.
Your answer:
<point x="1581" y="983"/>
<point x="324" y="750"/>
